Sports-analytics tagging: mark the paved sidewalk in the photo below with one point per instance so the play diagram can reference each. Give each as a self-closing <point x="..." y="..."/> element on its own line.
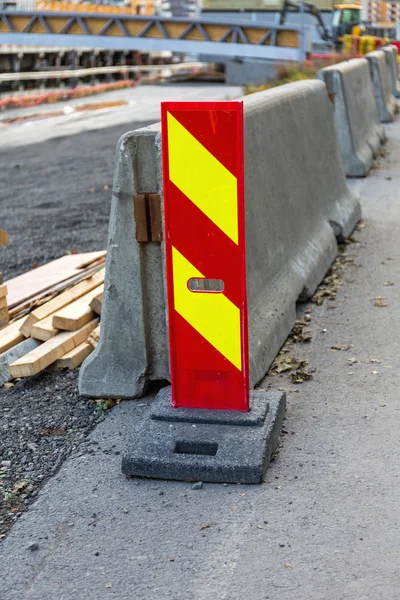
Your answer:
<point x="324" y="525"/>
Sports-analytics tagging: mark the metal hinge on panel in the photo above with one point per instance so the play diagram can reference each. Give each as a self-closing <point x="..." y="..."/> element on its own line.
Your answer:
<point x="147" y="213"/>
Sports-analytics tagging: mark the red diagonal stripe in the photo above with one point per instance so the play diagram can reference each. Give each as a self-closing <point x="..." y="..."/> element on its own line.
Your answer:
<point x="216" y="130"/>
<point x="204" y="244"/>
<point x="202" y="365"/>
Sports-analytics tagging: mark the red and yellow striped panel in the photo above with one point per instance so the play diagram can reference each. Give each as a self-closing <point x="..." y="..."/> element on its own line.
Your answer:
<point x="205" y="254"/>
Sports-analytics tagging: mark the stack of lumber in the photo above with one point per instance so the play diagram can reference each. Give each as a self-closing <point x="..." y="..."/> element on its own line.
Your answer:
<point x="56" y="318"/>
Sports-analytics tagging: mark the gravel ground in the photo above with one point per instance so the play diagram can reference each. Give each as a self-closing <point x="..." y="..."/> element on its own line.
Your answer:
<point x="53" y="198"/>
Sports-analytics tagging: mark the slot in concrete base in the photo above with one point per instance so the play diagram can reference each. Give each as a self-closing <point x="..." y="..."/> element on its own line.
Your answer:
<point x="206" y="445"/>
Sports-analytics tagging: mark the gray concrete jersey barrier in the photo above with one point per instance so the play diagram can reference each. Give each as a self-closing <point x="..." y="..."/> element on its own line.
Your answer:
<point x="393" y="69"/>
<point x="385" y="100"/>
<point x="358" y="126"/>
<point x="297" y="201"/>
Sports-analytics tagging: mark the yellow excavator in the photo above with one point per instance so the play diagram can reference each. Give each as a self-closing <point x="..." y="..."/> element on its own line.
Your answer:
<point x="346" y="19"/>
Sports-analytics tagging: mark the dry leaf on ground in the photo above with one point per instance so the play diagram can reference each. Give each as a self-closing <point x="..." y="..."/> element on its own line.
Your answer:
<point x="343" y="347"/>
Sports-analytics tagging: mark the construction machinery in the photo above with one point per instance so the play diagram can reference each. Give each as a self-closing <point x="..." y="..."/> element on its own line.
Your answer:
<point x="346" y="20"/>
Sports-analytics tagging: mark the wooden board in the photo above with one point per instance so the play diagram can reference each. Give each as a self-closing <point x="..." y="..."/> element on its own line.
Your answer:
<point x="11" y="336"/>
<point x="78" y="313"/>
<point x="74" y="358"/>
<point x="96" y="304"/>
<point x="70" y="295"/>
<point x="3" y="302"/>
<point x="50" y="351"/>
<point x="94" y="337"/>
<point x="3" y="290"/>
<point x="48" y="294"/>
<point x="43" y="330"/>
<point x="31" y="283"/>
<point x="3" y="238"/>
<point x="4" y="313"/>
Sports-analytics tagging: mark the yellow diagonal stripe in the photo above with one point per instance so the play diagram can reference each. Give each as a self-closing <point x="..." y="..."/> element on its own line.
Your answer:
<point x="202" y="178"/>
<point x="213" y="315"/>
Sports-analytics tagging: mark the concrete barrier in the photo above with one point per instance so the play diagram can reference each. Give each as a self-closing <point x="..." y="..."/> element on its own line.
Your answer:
<point x="358" y="126"/>
<point x="297" y="200"/>
<point x="393" y="69"/>
<point x="385" y="100"/>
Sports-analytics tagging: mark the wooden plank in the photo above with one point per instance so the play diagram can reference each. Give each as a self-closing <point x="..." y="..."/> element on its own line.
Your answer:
<point x="43" y="330"/>
<point x="11" y="335"/>
<point x="31" y="283"/>
<point x="3" y="290"/>
<point x="4" y="313"/>
<point x="50" y="351"/>
<point x="155" y="217"/>
<point x="96" y="303"/>
<point x="3" y="302"/>
<point x="60" y="301"/>
<point x="78" y="313"/>
<point x="140" y="216"/>
<point x="49" y="293"/>
<point x="3" y="238"/>
<point x="94" y="337"/>
<point x="74" y="358"/>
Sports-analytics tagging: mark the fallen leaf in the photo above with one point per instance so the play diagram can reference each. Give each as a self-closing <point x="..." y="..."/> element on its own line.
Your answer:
<point x="299" y="334"/>
<point x="382" y="405"/>
<point x="301" y="375"/>
<point x="380" y="303"/>
<point x="205" y="526"/>
<point x="361" y="225"/>
<point x="343" y="347"/>
<point x="285" y="363"/>
<point x="8" y="385"/>
<point x="288" y="565"/>
<point x="388" y="283"/>
<point x="352" y="360"/>
<point x="20" y="486"/>
<point x="105" y="187"/>
<point x="375" y="372"/>
<point x="244" y="494"/>
<point x="374" y="360"/>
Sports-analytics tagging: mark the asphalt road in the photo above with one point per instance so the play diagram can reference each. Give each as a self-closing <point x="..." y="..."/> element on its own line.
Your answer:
<point x="323" y="526"/>
<point x="143" y="105"/>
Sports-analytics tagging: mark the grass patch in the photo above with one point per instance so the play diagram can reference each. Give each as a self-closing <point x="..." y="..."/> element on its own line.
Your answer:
<point x="291" y="73"/>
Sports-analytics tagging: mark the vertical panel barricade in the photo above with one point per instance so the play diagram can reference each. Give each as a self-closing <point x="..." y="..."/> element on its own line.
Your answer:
<point x="203" y="170"/>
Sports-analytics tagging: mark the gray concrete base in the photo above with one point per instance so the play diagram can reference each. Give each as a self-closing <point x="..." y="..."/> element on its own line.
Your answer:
<point x="385" y="101"/>
<point x="393" y="70"/>
<point x="206" y="445"/>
